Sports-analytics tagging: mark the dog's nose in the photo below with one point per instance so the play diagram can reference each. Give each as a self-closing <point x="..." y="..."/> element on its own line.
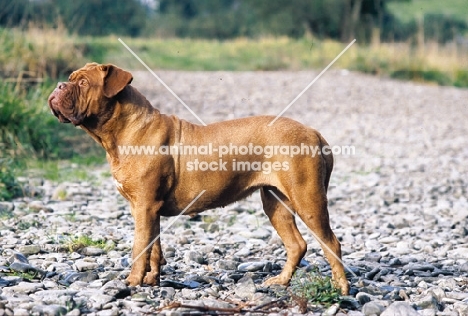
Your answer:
<point x="61" y="85"/>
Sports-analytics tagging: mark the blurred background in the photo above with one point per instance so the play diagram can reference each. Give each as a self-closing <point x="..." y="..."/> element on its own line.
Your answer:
<point x="42" y="41"/>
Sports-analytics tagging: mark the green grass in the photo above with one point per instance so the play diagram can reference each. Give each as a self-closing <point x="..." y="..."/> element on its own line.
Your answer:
<point x="406" y="11"/>
<point x="77" y="243"/>
<point x="314" y="288"/>
<point x="24" y="275"/>
<point x="443" y="65"/>
<point x="63" y="170"/>
<point x="189" y="54"/>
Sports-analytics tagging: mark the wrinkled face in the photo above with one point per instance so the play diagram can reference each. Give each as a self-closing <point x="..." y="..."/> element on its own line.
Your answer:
<point x="87" y="92"/>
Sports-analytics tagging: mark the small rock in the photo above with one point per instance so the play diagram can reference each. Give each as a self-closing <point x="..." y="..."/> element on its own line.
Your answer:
<point x="461" y="308"/>
<point x="245" y="288"/>
<point x="39" y="206"/>
<point x="331" y="311"/>
<point x="400" y="309"/>
<point x="372" y="308"/>
<point x="49" y="310"/>
<point x="427" y="302"/>
<point x="364" y="298"/>
<point x="227" y="264"/>
<point x="167" y="292"/>
<point x="30" y="249"/>
<point x="373" y="257"/>
<point x="116" y="288"/>
<point x="189" y="294"/>
<point x="140" y="297"/>
<point x="92" y="251"/>
<point x="6" y="207"/>
<point x="83" y="265"/>
<point x="24" y="288"/>
<point x="251" y="266"/>
<point x="193" y="256"/>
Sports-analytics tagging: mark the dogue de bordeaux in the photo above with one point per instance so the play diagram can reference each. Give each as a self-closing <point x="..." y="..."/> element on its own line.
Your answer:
<point x="101" y="100"/>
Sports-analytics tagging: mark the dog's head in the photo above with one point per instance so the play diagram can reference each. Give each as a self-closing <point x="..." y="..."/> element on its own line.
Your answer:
<point x="88" y="92"/>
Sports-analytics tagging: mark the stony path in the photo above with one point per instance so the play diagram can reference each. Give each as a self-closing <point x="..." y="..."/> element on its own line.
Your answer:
<point x="399" y="206"/>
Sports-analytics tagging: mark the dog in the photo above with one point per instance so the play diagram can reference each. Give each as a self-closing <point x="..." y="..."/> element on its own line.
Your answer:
<point x="246" y="155"/>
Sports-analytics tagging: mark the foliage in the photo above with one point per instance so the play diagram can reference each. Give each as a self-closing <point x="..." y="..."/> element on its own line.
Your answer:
<point x="226" y="19"/>
<point x="77" y="243"/>
<point x="37" y="54"/>
<point x="314" y="288"/>
<point x="9" y="187"/>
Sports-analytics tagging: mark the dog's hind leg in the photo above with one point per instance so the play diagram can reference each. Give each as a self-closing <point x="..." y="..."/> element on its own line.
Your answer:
<point x="284" y="223"/>
<point x="313" y="211"/>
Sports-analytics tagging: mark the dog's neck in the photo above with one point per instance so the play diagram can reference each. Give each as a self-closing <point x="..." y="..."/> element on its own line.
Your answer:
<point x="128" y="108"/>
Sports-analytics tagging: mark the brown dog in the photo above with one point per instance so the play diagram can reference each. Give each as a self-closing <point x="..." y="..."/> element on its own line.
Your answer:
<point x="246" y="155"/>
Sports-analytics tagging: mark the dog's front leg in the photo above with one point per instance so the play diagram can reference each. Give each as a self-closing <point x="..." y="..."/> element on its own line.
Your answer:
<point x="156" y="259"/>
<point x="146" y="230"/>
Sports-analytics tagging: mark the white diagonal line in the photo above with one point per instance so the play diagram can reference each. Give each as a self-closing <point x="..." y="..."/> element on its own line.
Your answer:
<point x="310" y="84"/>
<point x="313" y="234"/>
<point x="160" y="80"/>
<point x="168" y="226"/>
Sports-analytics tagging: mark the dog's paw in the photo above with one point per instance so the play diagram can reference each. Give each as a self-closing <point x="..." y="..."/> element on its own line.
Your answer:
<point x="133" y="280"/>
<point x="277" y="280"/>
<point x="151" y="279"/>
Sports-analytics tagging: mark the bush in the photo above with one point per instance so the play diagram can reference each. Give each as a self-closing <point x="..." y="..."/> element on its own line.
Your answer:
<point x="9" y="188"/>
<point x="461" y="79"/>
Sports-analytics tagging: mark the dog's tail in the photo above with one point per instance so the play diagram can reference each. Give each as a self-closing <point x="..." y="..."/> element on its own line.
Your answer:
<point x="327" y="159"/>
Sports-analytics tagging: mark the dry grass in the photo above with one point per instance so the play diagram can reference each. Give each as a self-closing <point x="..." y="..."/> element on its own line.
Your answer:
<point x="37" y="54"/>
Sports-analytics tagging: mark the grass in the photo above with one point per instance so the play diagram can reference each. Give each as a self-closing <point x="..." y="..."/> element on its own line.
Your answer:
<point x="433" y="63"/>
<point x="313" y="288"/>
<point x="77" y="243"/>
<point x="24" y="275"/>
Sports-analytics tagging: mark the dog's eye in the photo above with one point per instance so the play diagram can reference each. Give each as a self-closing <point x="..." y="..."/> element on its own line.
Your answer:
<point x="83" y="82"/>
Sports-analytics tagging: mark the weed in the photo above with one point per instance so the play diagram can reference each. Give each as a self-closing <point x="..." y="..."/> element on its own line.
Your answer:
<point x="77" y="243"/>
<point x="314" y="288"/>
<point x="232" y="220"/>
<point x="25" y="225"/>
<point x="24" y="275"/>
<point x="71" y="217"/>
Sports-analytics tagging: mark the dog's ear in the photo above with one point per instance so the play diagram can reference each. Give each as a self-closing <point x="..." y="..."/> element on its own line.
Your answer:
<point x="115" y="79"/>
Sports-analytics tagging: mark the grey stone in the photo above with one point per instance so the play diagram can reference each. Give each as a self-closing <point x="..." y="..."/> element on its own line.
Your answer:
<point x="6" y="207"/>
<point x="400" y="309"/>
<point x="167" y="292"/>
<point x="39" y="206"/>
<point x="116" y="288"/>
<point x="24" y="288"/>
<point x="459" y="296"/>
<point x="245" y="287"/>
<point x="193" y="256"/>
<point x="372" y="308"/>
<point x="30" y="249"/>
<point x="251" y="266"/>
<point x="364" y="298"/>
<point x="331" y="311"/>
<point x="83" y="265"/>
<point x="227" y="264"/>
<point x="427" y="302"/>
<point x="58" y="297"/>
<point x="461" y="308"/>
<point x="50" y="310"/>
<point x="92" y="251"/>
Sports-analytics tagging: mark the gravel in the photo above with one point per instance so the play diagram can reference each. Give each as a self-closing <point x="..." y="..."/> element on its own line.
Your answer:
<point x="398" y="205"/>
